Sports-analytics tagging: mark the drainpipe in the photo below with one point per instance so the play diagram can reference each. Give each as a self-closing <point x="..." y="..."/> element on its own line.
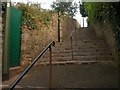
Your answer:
<point x="5" y="65"/>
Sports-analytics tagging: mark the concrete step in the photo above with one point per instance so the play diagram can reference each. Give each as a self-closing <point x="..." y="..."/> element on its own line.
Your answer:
<point x="79" y="58"/>
<point x="76" y="62"/>
<point x="27" y="88"/>
<point x="81" y="50"/>
<point x="36" y="88"/>
<point x="85" y="38"/>
<point x="78" y="54"/>
<point x="85" y="41"/>
<point x="73" y="76"/>
<point x="81" y="47"/>
<point x="6" y="87"/>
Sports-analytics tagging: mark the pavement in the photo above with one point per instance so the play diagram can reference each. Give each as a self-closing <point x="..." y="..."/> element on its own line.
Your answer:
<point x="71" y="76"/>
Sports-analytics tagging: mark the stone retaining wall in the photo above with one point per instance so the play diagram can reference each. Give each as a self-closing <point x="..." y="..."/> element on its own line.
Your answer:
<point x="34" y="41"/>
<point x="104" y="31"/>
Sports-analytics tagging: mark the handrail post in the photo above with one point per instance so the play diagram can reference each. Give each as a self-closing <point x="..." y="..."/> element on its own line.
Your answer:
<point x="50" y="68"/>
<point x="12" y="86"/>
<point x="71" y="47"/>
<point x="76" y="38"/>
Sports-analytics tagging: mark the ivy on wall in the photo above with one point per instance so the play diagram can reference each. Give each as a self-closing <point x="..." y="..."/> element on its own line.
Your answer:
<point x="103" y="12"/>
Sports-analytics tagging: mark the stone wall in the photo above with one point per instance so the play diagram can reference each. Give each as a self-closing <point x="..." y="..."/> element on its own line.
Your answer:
<point x="67" y="25"/>
<point x="34" y="41"/>
<point x="104" y="31"/>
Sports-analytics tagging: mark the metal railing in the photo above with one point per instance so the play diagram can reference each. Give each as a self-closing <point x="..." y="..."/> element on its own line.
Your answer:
<point x="71" y="40"/>
<point x="12" y="86"/>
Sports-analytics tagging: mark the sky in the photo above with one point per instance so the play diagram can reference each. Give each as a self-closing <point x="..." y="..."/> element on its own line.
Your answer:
<point x="46" y="4"/>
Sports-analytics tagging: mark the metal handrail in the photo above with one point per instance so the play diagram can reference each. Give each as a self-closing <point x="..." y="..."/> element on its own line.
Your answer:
<point x="72" y="33"/>
<point x="71" y="37"/>
<point x="12" y="86"/>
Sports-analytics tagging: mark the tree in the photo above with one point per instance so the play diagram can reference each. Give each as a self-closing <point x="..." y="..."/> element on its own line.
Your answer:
<point x="82" y="11"/>
<point x="62" y="8"/>
<point x="65" y="7"/>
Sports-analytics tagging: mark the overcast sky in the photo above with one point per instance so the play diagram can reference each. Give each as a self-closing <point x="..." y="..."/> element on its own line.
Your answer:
<point x="46" y="4"/>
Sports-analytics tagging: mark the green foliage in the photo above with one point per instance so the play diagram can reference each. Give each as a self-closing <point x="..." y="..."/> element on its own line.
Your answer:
<point x="45" y="17"/>
<point x="27" y="17"/>
<point x="4" y="6"/>
<point x="82" y="10"/>
<point x="32" y="14"/>
<point x="103" y="12"/>
<point x="94" y="11"/>
<point x="65" y="7"/>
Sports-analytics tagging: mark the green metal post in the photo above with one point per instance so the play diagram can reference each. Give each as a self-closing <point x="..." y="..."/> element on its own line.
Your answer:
<point x="5" y="66"/>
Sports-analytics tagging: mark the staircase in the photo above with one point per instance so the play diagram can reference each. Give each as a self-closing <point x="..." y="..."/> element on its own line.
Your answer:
<point x="87" y="48"/>
<point x="92" y="65"/>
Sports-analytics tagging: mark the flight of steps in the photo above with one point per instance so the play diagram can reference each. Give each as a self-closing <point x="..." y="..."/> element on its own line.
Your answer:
<point x="87" y="48"/>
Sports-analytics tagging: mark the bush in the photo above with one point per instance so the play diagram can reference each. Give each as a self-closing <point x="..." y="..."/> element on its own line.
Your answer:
<point x="32" y="15"/>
